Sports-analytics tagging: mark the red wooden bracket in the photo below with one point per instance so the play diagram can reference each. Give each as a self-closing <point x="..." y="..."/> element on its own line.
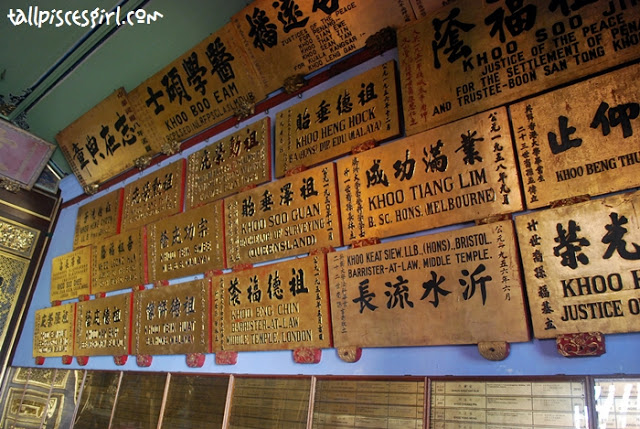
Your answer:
<point x="161" y="283"/>
<point x="307" y="355"/>
<point x="226" y="358"/>
<point x="195" y="360"/>
<point x="365" y="242"/>
<point x="144" y="360"/>
<point x="295" y="170"/>
<point x="83" y="298"/>
<point x="581" y="344"/>
<point x="39" y="360"/>
<point x="349" y="354"/>
<point x="101" y="295"/>
<point x="56" y="303"/>
<point x="242" y="267"/>
<point x="82" y="360"/>
<point x="66" y="360"/>
<point x="213" y="273"/>
<point x="120" y="360"/>
<point x="363" y="147"/>
<point x="138" y="288"/>
<point x="322" y="251"/>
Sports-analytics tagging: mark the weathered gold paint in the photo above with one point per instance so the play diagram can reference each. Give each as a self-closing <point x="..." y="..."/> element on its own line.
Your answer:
<point x="431" y="179"/>
<point x="581" y="261"/>
<point x="256" y="231"/>
<point x="274" y="307"/>
<point x="98" y="219"/>
<point x="385" y="295"/>
<point x="71" y="275"/>
<point x="53" y="331"/>
<point x="103" y="326"/>
<point x="118" y="262"/>
<point x="17" y="238"/>
<point x="451" y="65"/>
<point x="361" y="109"/>
<point x="585" y="161"/>
<point x="186" y="244"/>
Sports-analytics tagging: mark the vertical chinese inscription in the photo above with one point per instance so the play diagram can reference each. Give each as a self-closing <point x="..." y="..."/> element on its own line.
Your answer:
<point x="307" y="35"/>
<point x="53" y="331"/>
<point x="103" y="326"/>
<point x="491" y="53"/>
<point x="119" y="262"/>
<point x="172" y="319"/>
<point x="333" y="122"/>
<point x="71" y="275"/>
<point x="287" y="217"/>
<point x="580" y="265"/>
<point x="272" y="307"/>
<point x="98" y="219"/>
<point x="584" y="145"/>
<point x="104" y="141"/>
<point x="154" y="196"/>
<point x="200" y="88"/>
<point x="186" y="244"/>
<point x="378" y="292"/>
<point x="455" y="173"/>
<point x="230" y="164"/>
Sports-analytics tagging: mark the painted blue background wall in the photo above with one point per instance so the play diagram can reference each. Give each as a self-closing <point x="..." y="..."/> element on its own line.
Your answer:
<point x="532" y="358"/>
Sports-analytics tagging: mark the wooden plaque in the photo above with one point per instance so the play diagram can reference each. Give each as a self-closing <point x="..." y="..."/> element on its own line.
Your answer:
<point x="98" y="219"/>
<point x="106" y="140"/>
<point x="333" y="122"/>
<point x="119" y="262"/>
<point x="17" y="238"/>
<point x="200" y="88"/>
<point x="287" y="217"/>
<point x="103" y="326"/>
<point x="470" y="56"/>
<point x="456" y="287"/>
<point x="172" y="319"/>
<point x="53" y="331"/>
<point x="513" y="404"/>
<point x="585" y="144"/>
<point x="187" y="243"/>
<point x="272" y="307"/>
<point x="579" y="266"/>
<point x="154" y="196"/>
<point x="230" y="164"/>
<point x="71" y="275"/>
<point x="13" y="271"/>
<point x="424" y="7"/>
<point x="456" y="173"/>
<point x="289" y="38"/>
<point x="23" y="155"/>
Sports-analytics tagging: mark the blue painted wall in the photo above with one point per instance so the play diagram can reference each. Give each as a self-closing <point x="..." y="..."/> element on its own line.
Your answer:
<point x="532" y="358"/>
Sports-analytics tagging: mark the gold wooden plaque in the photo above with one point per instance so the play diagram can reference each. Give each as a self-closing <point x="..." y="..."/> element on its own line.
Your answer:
<point x="333" y="122"/>
<point x="71" y="275"/>
<point x="272" y="307"/>
<point x="200" y="88"/>
<point x="456" y="287"/>
<point x="469" y="57"/>
<point x="106" y="140"/>
<point x="172" y="319"/>
<point x="154" y="196"/>
<point x="287" y="217"/>
<point x="585" y="144"/>
<point x="230" y="164"/>
<point x="290" y="38"/>
<point x="13" y="270"/>
<point x="187" y="243"/>
<point x="514" y="404"/>
<point x="103" y="326"/>
<point x="119" y="262"/>
<point x="98" y="219"/>
<point x="53" y="331"/>
<point x="579" y="266"/>
<point x="456" y="173"/>
<point x="17" y="238"/>
<point x="424" y="7"/>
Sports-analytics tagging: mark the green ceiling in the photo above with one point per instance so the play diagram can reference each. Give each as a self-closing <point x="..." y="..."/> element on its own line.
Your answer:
<point x="47" y="65"/>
